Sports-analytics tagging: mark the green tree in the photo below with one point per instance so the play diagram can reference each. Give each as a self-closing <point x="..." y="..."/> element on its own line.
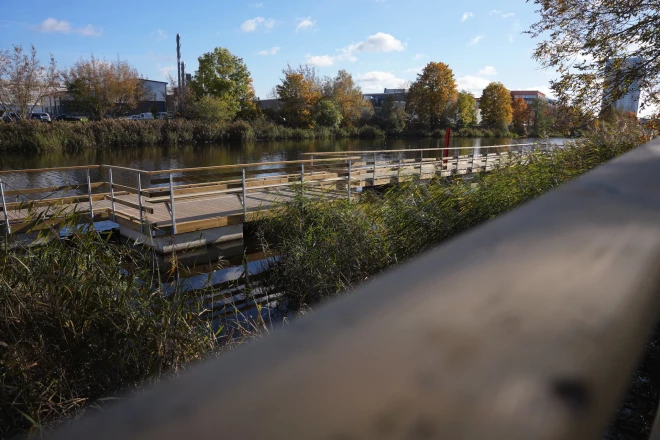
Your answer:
<point x="299" y="93"/>
<point x="103" y="88"/>
<point x="225" y="76"/>
<point x="495" y="105"/>
<point x="542" y="117"/>
<point x="466" y="109"/>
<point x="392" y="116"/>
<point x="327" y="113"/>
<point x="591" y="42"/>
<point x="210" y="109"/>
<point x="348" y="96"/>
<point x="432" y="96"/>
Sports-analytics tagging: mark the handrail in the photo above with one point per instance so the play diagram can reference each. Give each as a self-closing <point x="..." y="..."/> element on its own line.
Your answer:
<point x="249" y="165"/>
<point x="336" y="153"/>
<point x="525" y="327"/>
<point x="43" y="170"/>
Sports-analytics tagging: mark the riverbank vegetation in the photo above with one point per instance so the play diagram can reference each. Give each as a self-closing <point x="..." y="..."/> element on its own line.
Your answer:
<point x="78" y="329"/>
<point x="219" y="104"/>
<point x="329" y="247"/>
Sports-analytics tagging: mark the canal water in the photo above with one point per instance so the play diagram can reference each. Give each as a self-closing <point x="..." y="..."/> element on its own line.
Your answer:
<point x="188" y="156"/>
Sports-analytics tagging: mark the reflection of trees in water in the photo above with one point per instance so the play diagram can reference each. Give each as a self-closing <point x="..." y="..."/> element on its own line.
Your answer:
<point x="187" y="156"/>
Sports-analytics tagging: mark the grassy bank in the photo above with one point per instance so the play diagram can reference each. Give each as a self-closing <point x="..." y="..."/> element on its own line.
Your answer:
<point x="329" y="247"/>
<point x="31" y="136"/>
<point x="75" y="331"/>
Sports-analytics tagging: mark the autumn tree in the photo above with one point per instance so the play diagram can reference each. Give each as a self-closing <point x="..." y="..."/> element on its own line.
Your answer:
<point x="103" y="88"/>
<point x="24" y="81"/>
<point x="495" y="105"/>
<point x="600" y="46"/>
<point x="521" y="116"/>
<point x="299" y="93"/>
<point x="466" y="109"/>
<point x="349" y="99"/>
<point x="224" y="76"/>
<point x="432" y="95"/>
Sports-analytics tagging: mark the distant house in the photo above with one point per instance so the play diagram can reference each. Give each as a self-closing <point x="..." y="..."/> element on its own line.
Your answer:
<point x="377" y="99"/>
<point x="60" y="102"/>
<point x="528" y="95"/>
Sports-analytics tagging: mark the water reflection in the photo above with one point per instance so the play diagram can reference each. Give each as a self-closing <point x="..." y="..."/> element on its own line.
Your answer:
<point x="187" y="156"/>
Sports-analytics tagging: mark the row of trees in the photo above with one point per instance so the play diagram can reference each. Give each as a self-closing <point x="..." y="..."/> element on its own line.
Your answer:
<point x="221" y="91"/>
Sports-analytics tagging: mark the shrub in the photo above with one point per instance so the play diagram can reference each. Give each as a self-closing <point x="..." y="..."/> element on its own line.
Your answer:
<point x="77" y="326"/>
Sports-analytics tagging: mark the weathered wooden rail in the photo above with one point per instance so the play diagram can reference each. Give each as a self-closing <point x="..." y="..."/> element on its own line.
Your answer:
<point x="182" y="208"/>
<point x="527" y="327"/>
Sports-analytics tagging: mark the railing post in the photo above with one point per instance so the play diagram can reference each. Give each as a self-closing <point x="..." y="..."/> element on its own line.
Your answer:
<point x="89" y="194"/>
<point x="374" y="182"/>
<point x="4" y="206"/>
<point x="302" y="179"/>
<point x="172" y="205"/>
<point x="112" y="195"/>
<point x="244" y="198"/>
<point x="421" y="162"/>
<point x="349" y="181"/>
<point x="139" y="185"/>
<point x="474" y="152"/>
<point x="311" y="165"/>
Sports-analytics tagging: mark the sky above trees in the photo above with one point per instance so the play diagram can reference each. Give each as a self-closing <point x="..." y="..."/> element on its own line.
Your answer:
<point x="382" y="43"/>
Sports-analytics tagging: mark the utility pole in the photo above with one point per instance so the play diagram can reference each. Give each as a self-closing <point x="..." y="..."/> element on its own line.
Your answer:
<point x="178" y="68"/>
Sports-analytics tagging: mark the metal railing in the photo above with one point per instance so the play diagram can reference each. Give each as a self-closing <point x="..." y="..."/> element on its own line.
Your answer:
<point x="528" y="326"/>
<point x="169" y="187"/>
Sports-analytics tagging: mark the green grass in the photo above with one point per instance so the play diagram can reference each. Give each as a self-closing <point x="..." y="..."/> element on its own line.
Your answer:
<point x="77" y="328"/>
<point x="33" y="136"/>
<point x="328" y="247"/>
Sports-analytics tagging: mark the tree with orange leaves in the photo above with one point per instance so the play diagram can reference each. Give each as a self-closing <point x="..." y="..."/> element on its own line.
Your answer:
<point x="521" y="115"/>
<point x="299" y="93"/>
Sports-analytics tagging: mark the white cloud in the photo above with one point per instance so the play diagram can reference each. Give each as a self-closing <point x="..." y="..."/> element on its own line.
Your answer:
<point x="319" y="60"/>
<point x="377" y="81"/>
<point x="414" y="70"/>
<point x="160" y="35"/>
<point x="257" y="5"/>
<point x="501" y="13"/>
<point x="253" y="24"/>
<point x="472" y="84"/>
<point x="271" y="51"/>
<point x="380" y="42"/>
<point x="476" y="39"/>
<point x="488" y="70"/>
<point x="305" y="23"/>
<point x="419" y="56"/>
<point x="52" y="25"/>
<point x="166" y="70"/>
<point x="467" y="15"/>
<point x="89" y="31"/>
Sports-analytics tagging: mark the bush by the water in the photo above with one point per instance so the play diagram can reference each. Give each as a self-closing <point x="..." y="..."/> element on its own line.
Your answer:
<point x="329" y="247"/>
<point x="34" y="136"/>
<point x="76" y="327"/>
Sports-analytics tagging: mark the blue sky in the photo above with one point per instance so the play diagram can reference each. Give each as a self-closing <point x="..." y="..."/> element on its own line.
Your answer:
<point x="382" y="43"/>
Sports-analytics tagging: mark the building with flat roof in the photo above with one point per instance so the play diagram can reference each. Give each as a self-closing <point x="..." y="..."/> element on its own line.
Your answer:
<point x="528" y="95"/>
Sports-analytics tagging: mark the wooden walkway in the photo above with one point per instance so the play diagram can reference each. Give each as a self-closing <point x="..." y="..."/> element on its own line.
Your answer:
<point x="182" y="201"/>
